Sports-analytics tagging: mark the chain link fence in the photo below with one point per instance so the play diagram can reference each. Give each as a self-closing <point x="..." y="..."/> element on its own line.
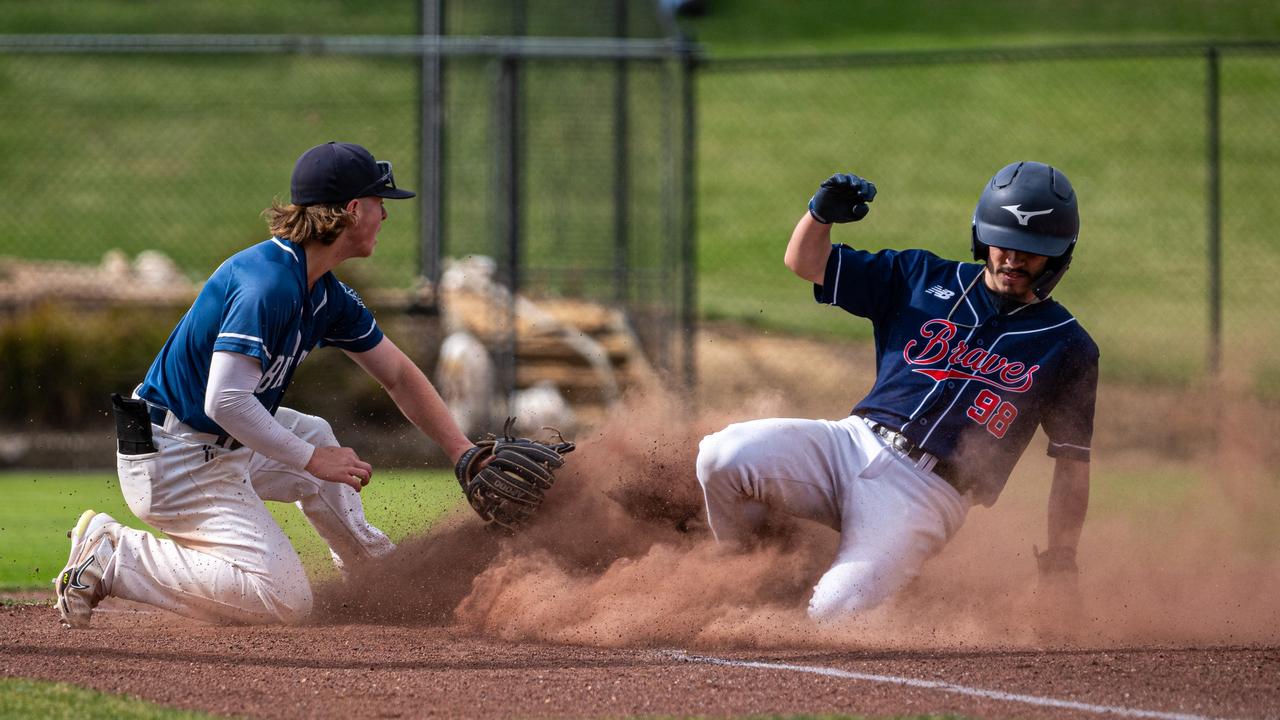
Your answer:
<point x="569" y="161"/>
<point x="143" y="161"/>
<point x="1171" y="149"/>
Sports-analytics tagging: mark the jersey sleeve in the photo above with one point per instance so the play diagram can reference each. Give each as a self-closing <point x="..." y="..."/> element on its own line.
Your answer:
<point x="858" y="281"/>
<point x="254" y="314"/>
<point x="1069" y="420"/>
<point x="351" y="326"/>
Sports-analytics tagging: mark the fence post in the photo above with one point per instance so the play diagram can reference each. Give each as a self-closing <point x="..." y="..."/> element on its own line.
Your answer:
<point x="621" y="168"/>
<point x="507" y="125"/>
<point x="1214" y="219"/>
<point x="431" y="152"/>
<point x="689" y="222"/>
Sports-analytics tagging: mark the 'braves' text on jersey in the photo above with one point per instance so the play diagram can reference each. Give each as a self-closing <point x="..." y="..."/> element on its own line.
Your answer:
<point x="256" y="304"/>
<point x="964" y="381"/>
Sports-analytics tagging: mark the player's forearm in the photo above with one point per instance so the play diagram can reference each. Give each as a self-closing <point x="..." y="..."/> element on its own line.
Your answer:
<point x="1068" y="502"/>
<point x="422" y="405"/>
<point x="808" y="249"/>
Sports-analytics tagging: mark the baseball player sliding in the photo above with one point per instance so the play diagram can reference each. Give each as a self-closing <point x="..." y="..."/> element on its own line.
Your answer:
<point x="204" y="440"/>
<point x="971" y="359"/>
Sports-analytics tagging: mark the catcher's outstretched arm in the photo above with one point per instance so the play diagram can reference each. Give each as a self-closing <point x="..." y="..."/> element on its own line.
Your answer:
<point x="414" y="394"/>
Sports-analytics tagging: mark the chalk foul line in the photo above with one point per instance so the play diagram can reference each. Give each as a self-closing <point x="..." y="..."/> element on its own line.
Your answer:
<point x="1000" y="695"/>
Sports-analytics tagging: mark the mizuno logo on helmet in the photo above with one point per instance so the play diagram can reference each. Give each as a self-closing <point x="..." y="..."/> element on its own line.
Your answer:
<point x="1023" y="217"/>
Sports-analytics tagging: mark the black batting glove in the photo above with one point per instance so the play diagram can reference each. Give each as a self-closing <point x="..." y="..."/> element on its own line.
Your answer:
<point x="842" y="198"/>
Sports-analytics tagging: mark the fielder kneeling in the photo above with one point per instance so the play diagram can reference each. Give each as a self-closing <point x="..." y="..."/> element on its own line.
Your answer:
<point x="204" y="441"/>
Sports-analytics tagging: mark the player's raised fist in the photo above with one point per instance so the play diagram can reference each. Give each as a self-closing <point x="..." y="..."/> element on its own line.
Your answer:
<point x="842" y="198"/>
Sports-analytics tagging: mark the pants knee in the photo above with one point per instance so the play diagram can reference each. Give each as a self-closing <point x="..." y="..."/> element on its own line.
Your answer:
<point x="291" y="606"/>
<point x="315" y="430"/>
<point x="719" y="459"/>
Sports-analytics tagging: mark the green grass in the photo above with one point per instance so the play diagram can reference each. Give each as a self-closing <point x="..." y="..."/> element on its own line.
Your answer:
<point x="40" y="507"/>
<point x="22" y="699"/>
<point x="181" y="154"/>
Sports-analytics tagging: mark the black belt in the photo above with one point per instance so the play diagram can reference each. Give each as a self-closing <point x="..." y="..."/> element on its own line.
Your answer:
<point x="943" y="469"/>
<point x="160" y="414"/>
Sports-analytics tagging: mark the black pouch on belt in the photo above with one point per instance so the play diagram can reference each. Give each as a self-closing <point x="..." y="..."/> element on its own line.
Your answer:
<point x="133" y="425"/>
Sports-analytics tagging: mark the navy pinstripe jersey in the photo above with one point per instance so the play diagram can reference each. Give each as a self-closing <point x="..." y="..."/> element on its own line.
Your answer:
<point x="959" y="378"/>
<point x="256" y="303"/>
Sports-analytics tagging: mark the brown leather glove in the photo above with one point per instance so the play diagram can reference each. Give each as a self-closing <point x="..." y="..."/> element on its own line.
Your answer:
<point x="506" y="478"/>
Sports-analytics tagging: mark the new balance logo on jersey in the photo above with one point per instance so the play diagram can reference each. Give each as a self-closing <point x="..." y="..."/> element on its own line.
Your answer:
<point x="1024" y="216"/>
<point x="941" y="292"/>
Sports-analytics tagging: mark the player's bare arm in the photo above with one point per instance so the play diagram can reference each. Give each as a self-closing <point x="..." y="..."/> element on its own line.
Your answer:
<point x="1068" y="503"/>
<point x="841" y="198"/>
<point x="808" y="249"/>
<point x="414" y="394"/>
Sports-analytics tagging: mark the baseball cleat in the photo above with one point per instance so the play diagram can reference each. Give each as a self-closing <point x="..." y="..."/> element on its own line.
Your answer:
<point x="79" y="585"/>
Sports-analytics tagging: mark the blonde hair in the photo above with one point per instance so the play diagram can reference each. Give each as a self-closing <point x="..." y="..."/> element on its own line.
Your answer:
<point x="308" y="223"/>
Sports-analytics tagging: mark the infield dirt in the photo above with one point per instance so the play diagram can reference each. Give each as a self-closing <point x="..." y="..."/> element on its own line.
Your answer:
<point x="574" y="616"/>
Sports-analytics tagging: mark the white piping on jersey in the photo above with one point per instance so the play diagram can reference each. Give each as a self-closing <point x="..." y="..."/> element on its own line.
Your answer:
<point x="258" y="340"/>
<point x="286" y="248"/>
<point x="990" y="349"/>
<point x="972" y="329"/>
<point x="1069" y="445"/>
<point x="835" y="289"/>
<point x="323" y="301"/>
<point x="372" y="327"/>
<point x="965" y="294"/>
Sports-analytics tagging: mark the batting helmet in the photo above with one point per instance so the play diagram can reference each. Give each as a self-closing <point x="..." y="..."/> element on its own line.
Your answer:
<point x="1029" y="207"/>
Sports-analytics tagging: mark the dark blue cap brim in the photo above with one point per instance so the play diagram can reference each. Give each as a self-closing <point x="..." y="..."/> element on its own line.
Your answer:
<point x="395" y="193"/>
<point x="1021" y="240"/>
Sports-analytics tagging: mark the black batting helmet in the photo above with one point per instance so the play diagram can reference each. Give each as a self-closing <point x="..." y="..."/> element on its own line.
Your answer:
<point x="1029" y="207"/>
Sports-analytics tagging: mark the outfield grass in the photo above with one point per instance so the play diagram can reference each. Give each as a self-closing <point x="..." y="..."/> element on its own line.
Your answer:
<point x="40" y="507"/>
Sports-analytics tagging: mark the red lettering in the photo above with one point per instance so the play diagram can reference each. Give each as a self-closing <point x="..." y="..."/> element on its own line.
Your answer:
<point x="937" y="347"/>
<point x="974" y="359"/>
<point x="986" y="366"/>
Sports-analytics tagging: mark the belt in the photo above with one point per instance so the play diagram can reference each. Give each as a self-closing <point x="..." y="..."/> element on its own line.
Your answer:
<point x="165" y="418"/>
<point x="924" y="460"/>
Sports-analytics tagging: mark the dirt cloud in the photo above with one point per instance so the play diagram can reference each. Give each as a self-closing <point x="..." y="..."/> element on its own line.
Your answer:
<point x="622" y="557"/>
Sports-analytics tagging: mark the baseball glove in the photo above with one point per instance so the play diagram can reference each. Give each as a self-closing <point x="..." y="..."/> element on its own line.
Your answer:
<point x="506" y="478"/>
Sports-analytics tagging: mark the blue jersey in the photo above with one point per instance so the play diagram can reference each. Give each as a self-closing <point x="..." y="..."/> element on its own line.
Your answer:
<point x="256" y="304"/>
<point x="958" y="377"/>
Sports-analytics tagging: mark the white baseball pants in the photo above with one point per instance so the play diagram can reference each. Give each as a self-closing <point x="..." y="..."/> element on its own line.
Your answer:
<point x="891" y="515"/>
<point x="226" y="558"/>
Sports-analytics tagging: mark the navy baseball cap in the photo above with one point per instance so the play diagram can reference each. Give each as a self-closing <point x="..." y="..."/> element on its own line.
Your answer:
<point x="337" y="172"/>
